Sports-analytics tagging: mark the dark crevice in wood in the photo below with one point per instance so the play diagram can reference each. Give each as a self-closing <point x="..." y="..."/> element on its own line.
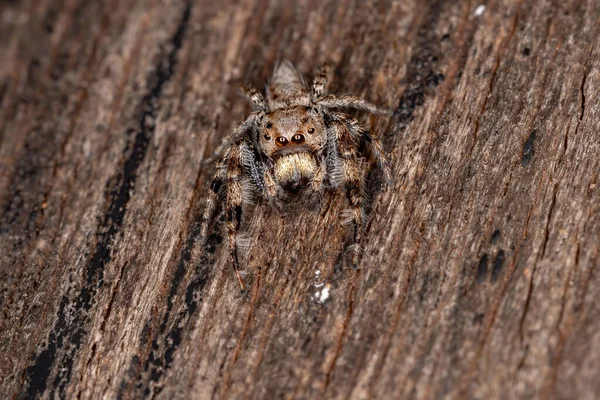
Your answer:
<point x="70" y="335"/>
<point x="421" y="72"/>
<point x="482" y="268"/>
<point x="161" y="352"/>
<point x="528" y="149"/>
<point x="548" y="220"/>
<point x="497" y="265"/>
<point x="102" y="328"/>
<point x="582" y="87"/>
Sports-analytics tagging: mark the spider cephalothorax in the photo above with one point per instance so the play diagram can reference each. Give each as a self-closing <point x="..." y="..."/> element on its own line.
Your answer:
<point x="295" y="140"/>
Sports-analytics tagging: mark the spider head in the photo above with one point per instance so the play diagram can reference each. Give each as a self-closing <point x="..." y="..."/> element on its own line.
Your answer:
<point x="292" y="130"/>
<point x="292" y="138"/>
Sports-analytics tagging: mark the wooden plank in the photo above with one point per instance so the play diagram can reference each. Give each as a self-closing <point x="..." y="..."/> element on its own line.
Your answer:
<point x="480" y="264"/>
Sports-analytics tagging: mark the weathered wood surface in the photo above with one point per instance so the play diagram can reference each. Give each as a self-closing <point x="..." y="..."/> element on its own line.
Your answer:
<point x="480" y="274"/>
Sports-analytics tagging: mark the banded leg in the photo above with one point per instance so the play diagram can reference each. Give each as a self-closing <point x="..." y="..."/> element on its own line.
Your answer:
<point x="355" y="190"/>
<point x="233" y="208"/>
<point x="255" y="97"/>
<point x="373" y="143"/>
<point x="317" y="181"/>
<point x="319" y="86"/>
<point x="235" y="134"/>
<point x="273" y="192"/>
<point x="347" y="101"/>
<point x="354" y="182"/>
<point x="333" y="162"/>
<point x="214" y="196"/>
<point x="262" y="178"/>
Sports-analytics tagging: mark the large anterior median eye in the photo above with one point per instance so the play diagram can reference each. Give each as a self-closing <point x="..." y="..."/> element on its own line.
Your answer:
<point x="298" y="139"/>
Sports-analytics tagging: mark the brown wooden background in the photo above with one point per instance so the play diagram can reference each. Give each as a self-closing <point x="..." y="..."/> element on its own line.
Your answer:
<point x="480" y="277"/>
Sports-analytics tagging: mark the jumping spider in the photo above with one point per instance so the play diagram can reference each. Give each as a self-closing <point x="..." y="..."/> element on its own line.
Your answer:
<point x="295" y="141"/>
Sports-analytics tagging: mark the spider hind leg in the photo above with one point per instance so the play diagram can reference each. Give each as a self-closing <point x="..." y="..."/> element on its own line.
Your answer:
<point x="233" y="207"/>
<point x="374" y="147"/>
<point x="354" y="183"/>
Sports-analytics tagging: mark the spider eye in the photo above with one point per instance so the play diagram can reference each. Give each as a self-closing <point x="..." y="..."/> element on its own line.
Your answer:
<point x="311" y="130"/>
<point x="268" y="125"/>
<point x="267" y="137"/>
<point x="298" y="139"/>
<point x="281" y="141"/>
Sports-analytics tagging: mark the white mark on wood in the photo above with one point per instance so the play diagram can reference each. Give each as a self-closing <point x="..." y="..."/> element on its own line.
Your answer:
<point x="479" y="10"/>
<point x="322" y="290"/>
<point x="317" y="284"/>
<point x="322" y="295"/>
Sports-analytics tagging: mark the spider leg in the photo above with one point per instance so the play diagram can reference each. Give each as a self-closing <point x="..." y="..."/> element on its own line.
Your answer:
<point x="319" y="86"/>
<point x="214" y="195"/>
<point x="255" y="97"/>
<point x="235" y="133"/>
<point x="371" y="140"/>
<point x="262" y="178"/>
<point x="318" y="179"/>
<point x="273" y="191"/>
<point x="235" y="197"/>
<point x="355" y="194"/>
<point x="354" y="183"/>
<point x="347" y="101"/>
<point x="333" y="162"/>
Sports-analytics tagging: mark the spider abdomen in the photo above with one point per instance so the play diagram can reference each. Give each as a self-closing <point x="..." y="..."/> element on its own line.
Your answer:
<point x="296" y="170"/>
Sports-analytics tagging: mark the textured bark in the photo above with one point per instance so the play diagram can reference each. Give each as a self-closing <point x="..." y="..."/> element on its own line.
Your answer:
<point x="481" y="260"/>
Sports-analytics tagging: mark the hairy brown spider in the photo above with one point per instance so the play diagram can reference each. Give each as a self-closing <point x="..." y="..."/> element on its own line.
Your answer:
<point x="295" y="141"/>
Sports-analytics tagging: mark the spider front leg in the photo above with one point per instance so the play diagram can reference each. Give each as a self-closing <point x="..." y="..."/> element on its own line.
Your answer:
<point x="235" y="134"/>
<point x="262" y="178"/>
<point x="354" y="183"/>
<point x="373" y="143"/>
<point x="319" y="86"/>
<point x="255" y="97"/>
<point x="347" y="101"/>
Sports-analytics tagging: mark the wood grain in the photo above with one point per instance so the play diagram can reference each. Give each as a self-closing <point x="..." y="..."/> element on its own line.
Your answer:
<point x="481" y="259"/>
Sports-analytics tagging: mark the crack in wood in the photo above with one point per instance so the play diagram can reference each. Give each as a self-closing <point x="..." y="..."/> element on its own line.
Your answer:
<point x="548" y="220"/>
<point x="71" y="334"/>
